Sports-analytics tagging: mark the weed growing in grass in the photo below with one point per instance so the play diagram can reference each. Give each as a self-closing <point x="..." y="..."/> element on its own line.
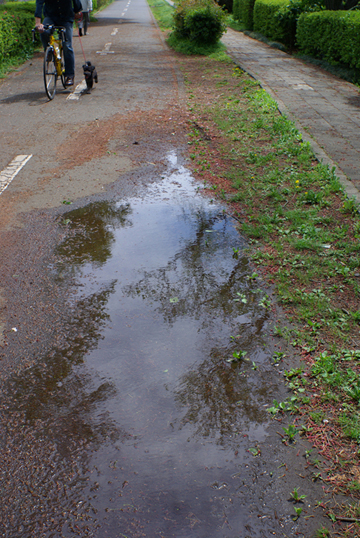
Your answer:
<point x="291" y="432"/>
<point x="322" y="532"/>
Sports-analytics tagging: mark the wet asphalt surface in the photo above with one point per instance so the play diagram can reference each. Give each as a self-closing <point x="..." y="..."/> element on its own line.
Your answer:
<point x="122" y="410"/>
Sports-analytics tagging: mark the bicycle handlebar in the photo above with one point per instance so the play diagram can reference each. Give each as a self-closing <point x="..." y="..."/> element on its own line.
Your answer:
<point x="51" y="27"/>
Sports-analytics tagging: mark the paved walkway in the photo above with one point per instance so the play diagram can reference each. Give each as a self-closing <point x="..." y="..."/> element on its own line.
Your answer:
<point x="325" y="108"/>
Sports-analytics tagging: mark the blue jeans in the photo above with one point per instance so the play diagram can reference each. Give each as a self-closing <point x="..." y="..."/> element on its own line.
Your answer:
<point x="69" y="56"/>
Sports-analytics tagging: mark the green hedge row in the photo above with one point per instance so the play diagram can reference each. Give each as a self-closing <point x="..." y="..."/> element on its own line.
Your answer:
<point x="243" y="11"/>
<point x="331" y="35"/>
<point x="16" y="22"/>
<point x="266" y="21"/>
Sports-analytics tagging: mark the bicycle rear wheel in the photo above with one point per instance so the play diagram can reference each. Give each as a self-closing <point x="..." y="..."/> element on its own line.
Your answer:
<point x="50" y="74"/>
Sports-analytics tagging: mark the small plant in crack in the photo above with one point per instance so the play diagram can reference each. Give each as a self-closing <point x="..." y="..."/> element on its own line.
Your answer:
<point x="291" y="432"/>
<point x="238" y="356"/>
<point x="298" y="511"/>
<point x="296" y="497"/>
<point x="241" y="298"/>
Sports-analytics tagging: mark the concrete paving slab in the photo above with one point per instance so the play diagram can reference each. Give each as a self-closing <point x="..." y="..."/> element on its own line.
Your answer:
<point x="326" y="109"/>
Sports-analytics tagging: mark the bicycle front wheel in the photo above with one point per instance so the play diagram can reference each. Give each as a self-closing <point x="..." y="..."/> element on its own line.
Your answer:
<point x="63" y="69"/>
<point x="50" y="74"/>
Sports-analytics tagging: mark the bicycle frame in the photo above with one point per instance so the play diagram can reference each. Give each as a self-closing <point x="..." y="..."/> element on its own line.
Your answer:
<point x="57" y="44"/>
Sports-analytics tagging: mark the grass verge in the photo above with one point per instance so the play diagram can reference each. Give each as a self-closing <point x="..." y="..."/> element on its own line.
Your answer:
<point x="305" y="239"/>
<point x="304" y="236"/>
<point x="162" y="12"/>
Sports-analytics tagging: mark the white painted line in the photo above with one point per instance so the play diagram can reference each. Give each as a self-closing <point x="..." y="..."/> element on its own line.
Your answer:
<point x="75" y="95"/>
<point x="123" y="13"/>
<point x="13" y="168"/>
<point x="105" y="50"/>
<point x="302" y="86"/>
<point x="115" y="31"/>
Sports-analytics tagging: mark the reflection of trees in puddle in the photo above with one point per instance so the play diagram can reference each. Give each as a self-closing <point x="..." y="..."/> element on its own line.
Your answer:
<point x="91" y="235"/>
<point x="203" y="275"/>
<point x="221" y="403"/>
<point x="52" y="412"/>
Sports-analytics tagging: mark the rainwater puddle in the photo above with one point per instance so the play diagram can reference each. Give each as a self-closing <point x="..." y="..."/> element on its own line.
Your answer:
<point x="146" y="422"/>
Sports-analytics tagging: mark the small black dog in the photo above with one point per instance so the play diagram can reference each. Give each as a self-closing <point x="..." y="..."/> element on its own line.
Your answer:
<point x="90" y="75"/>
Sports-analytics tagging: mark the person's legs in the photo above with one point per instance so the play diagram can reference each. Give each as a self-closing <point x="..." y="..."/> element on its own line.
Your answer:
<point x="69" y="56"/>
<point x="86" y="17"/>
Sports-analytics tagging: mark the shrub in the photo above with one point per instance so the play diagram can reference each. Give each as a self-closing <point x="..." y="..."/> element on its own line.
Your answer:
<point x="28" y="7"/>
<point x="265" y="20"/>
<point x="16" y="23"/>
<point x="289" y="15"/>
<point x="201" y="21"/>
<point x="331" y="35"/>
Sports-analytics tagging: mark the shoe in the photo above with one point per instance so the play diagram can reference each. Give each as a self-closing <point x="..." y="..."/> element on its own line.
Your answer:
<point x="86" y="33"/>
<point x="69" y="81"/>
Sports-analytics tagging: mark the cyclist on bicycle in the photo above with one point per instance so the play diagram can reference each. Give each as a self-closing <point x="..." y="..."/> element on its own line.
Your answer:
<point x="59" y="13"/>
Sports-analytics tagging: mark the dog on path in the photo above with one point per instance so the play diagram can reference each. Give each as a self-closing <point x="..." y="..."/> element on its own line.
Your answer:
<point x="90" y="75"/>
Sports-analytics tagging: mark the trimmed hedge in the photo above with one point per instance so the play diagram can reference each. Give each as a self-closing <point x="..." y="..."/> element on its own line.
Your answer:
<point x="266" y="21"/>
<point x="201" y="21"/>
<point x="243" y="11"/>
<point x="16" y="22"/>
<point x="331" y="35"/>
<point x="236" y="10"/>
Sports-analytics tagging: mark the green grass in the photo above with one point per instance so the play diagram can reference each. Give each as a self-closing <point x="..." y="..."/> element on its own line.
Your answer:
<point x="296" y="208"/>
<point x="189" y="48"/>
<point x="163" y="13"/>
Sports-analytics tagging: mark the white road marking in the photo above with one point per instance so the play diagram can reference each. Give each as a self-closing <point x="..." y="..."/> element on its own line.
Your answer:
<point x="115" y="31"/>
<point x="13" y="168"/>
<point x="105" y="50"/>
<point x="302" y="86"/>
<point x="75" y="95"/>
<point x="125" y="10"/>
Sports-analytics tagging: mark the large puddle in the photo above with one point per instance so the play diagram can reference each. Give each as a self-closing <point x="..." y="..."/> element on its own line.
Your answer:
<point x="141" y="426"/>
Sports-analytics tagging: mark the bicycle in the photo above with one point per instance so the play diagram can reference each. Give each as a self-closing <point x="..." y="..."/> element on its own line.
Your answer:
<point x="54" y="66"/>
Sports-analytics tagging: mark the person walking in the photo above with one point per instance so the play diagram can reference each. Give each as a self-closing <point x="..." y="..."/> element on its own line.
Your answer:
<point x="85" y="21"/>
<point x="59" y="13"/>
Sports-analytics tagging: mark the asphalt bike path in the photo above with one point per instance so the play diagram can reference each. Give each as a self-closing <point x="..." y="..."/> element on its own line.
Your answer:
<point x="325" y="108"/>
<point x="53" y="151"/>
